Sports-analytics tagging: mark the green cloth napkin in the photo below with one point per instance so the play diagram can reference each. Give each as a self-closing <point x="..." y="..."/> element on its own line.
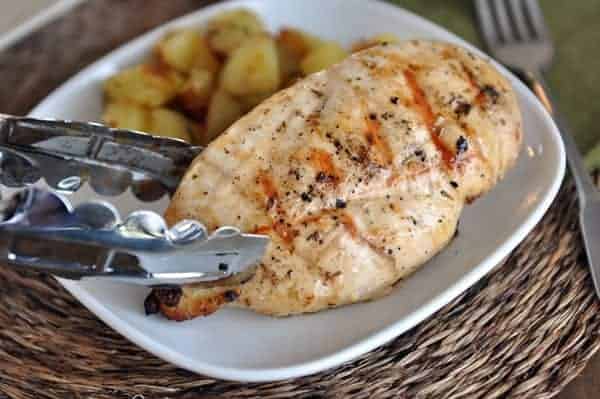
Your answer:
<point x="575" y="75"/>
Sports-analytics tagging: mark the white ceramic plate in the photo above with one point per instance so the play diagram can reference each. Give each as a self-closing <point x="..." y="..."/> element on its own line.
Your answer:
<point x="240" y="345"/>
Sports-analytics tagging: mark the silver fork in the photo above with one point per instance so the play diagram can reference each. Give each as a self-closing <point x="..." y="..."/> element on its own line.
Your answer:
<point x="516" y="35"/>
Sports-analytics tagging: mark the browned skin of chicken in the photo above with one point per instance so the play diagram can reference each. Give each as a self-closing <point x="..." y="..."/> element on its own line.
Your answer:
<point x="358" y="174"/>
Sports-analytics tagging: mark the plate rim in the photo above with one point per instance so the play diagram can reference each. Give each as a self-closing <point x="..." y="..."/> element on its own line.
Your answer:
<point x="371" y="341"/>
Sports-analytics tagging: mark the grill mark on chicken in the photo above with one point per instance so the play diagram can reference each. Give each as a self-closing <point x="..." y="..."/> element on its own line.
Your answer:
<point x="349" y="225"/>
<point x="280" y="224"/>
<point x="315" y="217"/>
<point x="413" y="173"/>
<point x="378" y="141"/>
<point x="351" y="228"/>
<point x="326" y="170"/>
<point x="261" y="229"/>
<point x="479" y="98"/>
<point x="428" y="117"/>
<point x="269" y="189"/>
<point x="485" y="93"/>
<point x="470" y="76"/>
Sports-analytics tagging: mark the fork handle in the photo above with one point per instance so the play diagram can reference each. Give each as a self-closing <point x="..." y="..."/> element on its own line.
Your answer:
<point x="585" y="186"/>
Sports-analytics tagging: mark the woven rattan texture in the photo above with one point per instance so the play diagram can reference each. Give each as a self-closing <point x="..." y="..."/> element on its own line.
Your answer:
<point x="524" y="331"/>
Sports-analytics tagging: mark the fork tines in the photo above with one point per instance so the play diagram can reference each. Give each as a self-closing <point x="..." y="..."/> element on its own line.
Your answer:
<point x="506" y="21"/>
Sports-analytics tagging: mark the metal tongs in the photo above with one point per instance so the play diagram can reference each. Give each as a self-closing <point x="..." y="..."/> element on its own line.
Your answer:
<point x="48" y="223"/>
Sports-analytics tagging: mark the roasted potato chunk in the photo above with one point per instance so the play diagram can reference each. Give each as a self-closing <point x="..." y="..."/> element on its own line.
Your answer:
<point x="149" y="84"/>
<point x="223" y="110"/>
<point x="205" y="58"/>
<point x="178" y="49"/>
<point x="252" y="68"/>
<point x="167" y="123"/>
<point x="297" y="42"/>
<point x="229" y="30"/>
<point x="124" y="115"/>
<point x="289" y="64"/>
<point x="322" y="57"/>
<point x="196" y="91"/>
<point x="382" y="38"/>
<point x="185" y="50"/>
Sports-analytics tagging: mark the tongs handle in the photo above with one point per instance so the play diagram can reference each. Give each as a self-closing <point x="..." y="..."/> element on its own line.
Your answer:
<point x="45" y="148"/>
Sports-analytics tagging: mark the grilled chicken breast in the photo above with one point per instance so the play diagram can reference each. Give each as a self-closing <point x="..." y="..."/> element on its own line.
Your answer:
<point x="358" y="174"/>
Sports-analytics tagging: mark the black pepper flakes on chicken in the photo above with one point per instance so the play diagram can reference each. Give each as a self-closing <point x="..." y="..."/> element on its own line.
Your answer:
<point x="391" y="199"/>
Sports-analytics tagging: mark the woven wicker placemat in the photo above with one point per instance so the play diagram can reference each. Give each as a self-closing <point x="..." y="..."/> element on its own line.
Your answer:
<point x="524" y="331"/>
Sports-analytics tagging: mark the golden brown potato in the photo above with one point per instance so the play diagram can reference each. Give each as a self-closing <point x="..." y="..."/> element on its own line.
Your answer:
<point x="179" y="49"/>
<point x="223" y="110"/>
<point x="229" y="30"/>
<point x="289" y="64"/>
<point x="148" y="84"/>
<point x="196" y="91"/>
<point x="124" y="115"/>
<point x="205" y="58"/>
<point x="375" y="40"/>
<point x="185" y="50"/>
<point x="213" y="76"/>
<point x="297" y="42"/>
<point x="252" y="68"/>
<point x="322" y="57"/>
<point x="167" y="123"/>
